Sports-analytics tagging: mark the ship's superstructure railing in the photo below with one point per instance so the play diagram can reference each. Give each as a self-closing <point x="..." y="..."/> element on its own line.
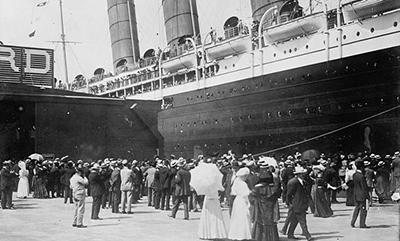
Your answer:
<point x="155" y="78"/>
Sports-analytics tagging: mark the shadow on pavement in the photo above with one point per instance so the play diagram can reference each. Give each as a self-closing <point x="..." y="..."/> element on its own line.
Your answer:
<point x="103" y="225"/>
<point x="381" y="226"/>
<point x="328" y="237"/>
<point x="120" y="217"/>
<point x="325" y="233"/>
<point x="340" y="215"/>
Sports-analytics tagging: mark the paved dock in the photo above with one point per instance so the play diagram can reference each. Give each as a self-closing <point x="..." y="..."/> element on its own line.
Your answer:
<point x="51" y="219"/>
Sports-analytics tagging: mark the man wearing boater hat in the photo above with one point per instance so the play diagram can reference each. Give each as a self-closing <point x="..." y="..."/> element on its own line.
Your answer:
<point x="297" y="199"/>
<point x="361" y="196"/>
<point x="182" y="189"/>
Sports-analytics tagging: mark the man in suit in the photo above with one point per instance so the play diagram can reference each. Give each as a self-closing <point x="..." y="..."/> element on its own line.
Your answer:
<point x="137" y="173"/>
<point x="115" y="183"/>
<point x="361" y="196"/>
<point x="97" y="190"/>
<point x="6" y="185"/>
<point x="126" y="187"/>
<point x="182" y="189"/>
<point x="67" y="173"/>
<point x="78" y="184"/>
<point x="297" y="198"/>
<point x="149" y="175"/>
<point x="165" y="176"/>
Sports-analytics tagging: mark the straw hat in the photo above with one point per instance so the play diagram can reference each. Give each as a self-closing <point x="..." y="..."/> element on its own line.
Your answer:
<point x="299" y="170"/>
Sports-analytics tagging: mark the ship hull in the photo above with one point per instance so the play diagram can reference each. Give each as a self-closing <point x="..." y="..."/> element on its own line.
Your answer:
<point x="271" y="111"/>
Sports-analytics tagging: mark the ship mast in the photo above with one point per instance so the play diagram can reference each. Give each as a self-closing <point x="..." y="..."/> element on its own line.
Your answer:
<point x="64" y="45"/>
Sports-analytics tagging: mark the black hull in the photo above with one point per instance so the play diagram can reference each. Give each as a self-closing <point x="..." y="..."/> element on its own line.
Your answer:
<point x="274" y="110"/>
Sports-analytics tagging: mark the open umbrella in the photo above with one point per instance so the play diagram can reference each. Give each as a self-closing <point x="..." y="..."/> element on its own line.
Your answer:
<point x="36" y="156"/>
<point x="206" y="179"/>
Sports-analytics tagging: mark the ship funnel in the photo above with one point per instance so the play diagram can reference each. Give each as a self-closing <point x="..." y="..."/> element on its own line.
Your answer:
<point x="258" y="7"/>
<point x="123" y="32"/>
<point x="181" y="20"/>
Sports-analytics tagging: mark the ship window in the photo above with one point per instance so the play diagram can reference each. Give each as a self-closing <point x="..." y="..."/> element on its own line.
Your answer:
<point x="307" y="46"/>
<point x="372" y="30"/>
<point x="395" y="24"/>
<point x="233" y="65"/>
<point x="290" y="50"/>
<point x="358" y="33"/>
<point x="274" y="54"/>
<point x="344" y="36"/>
<point x="284" y="52"/>
<point x="295" y="49"/>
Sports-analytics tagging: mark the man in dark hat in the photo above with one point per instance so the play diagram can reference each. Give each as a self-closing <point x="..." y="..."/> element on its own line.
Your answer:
<point x="6" y="179"/>
<point x="97" y="190"/>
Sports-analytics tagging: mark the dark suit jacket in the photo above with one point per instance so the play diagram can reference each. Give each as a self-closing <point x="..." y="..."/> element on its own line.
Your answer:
<point x="96" y="183"/>
<point x="360" y="187"/>
<point x="115" y="180"/>
<point x="182" y="180"/>
<point x="164" y="178"/>
<point x="5" y="179"/>
<point x="297" y="195"/>
<point x="67" y="173"/>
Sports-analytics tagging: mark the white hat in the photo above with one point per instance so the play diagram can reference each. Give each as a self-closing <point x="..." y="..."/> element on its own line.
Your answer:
<point x="319" y="167"/>
<point x="299" y="169"/>
<point x="95" y="167"/>
<point x="381" y="163"/>
<point x="243" y="172"/>
<point x="174" y="162"/>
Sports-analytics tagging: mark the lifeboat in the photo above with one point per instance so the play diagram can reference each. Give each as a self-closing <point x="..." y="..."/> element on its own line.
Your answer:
<point x="232" y="46"/>
<point x="184" y="61"/>
<point x="361" y="9"/>
<point x="296" y="27"/>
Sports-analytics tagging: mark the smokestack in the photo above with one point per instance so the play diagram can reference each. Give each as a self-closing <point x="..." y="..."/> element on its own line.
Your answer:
<point x="123" y="33"/>
<point x="180" y="19"/>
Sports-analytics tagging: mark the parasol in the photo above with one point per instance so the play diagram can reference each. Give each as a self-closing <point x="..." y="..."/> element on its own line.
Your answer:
<point x="206" y="179"/>
<point x="36" y="156"/>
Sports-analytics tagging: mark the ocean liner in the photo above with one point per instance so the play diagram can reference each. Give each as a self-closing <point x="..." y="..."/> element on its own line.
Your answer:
<point x="295" y="72"/>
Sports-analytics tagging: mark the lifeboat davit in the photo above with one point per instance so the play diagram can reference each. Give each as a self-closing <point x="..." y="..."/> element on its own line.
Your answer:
<point x="232" y="46"/>
<point x="361" y="9"/>
<point x="184" y="61"/>
<point x="297" y="27"/>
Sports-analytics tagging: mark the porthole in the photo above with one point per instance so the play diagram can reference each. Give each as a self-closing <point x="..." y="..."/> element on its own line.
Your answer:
<point x="284" y="52"/>
<point x="295" y="49"/>
<point x="358" y="34"/>
<point x="344" y="36"/>
<point x="233" y="65"/>
<point x="372" y="30"/>
<point x="307" y="46"/>
<point x="290" y="50"/>
<point x="274" y="54"/>
<point x="395" y="24"/>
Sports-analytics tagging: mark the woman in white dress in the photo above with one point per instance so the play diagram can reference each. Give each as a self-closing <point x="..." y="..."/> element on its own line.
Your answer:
<point x="212" y="224"/>
<point x="240" y="224"/>
<point x="23" y="184"/>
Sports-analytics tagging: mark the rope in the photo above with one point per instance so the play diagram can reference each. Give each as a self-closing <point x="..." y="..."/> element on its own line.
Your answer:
<point x="330" y="132"/>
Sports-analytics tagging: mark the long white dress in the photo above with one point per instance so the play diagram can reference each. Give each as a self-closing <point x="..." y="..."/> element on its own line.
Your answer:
<point x="212" y="225"/>
<point x="23" y="183"/>
<point x="240" y="224"/>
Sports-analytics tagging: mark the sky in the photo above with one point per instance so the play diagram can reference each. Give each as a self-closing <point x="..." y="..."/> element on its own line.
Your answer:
<point x="86" y="22"/>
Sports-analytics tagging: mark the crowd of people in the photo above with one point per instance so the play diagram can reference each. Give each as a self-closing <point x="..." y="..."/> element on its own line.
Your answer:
<point x="248" y="185"/>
